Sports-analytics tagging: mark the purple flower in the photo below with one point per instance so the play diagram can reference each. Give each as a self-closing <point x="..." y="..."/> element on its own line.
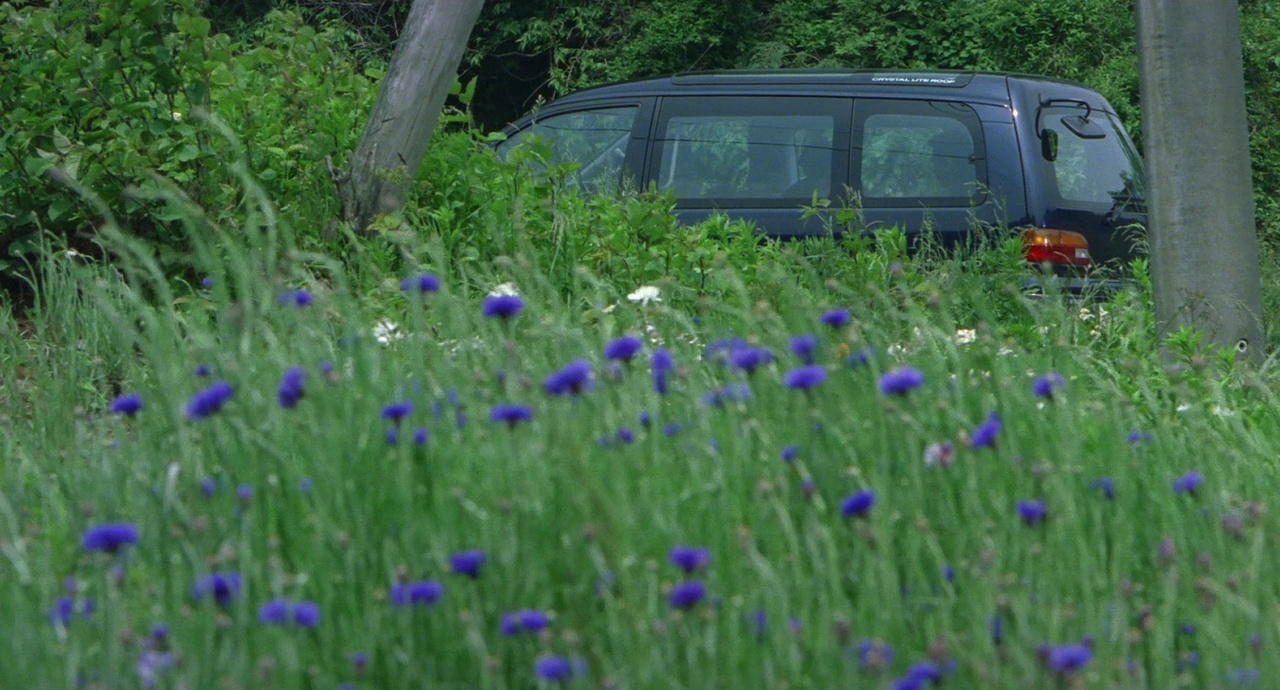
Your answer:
<point x="749" y="358"/>
<point x="64" y="608"/>
<point x="1068" y="658"/>
<point x="1188" y="483"/>
<point x="985" y="435"/>
<point x="836" y="318"/>
<point x="900" y="381"/>
<point x="997" y="630"/>
<point x="805" y="378"/>
<point x="1044" y="386"/>
<point x="306" y="614"/>
<point x="127" y="404"/>
<point x="858" y="504"/>
<point x="423" y="282"/>
<point x="305" y="484"/>
<point x="918" y="675"/>
<point x="359" y="660"/>
<point x="206" y="282"/>
<point x="1033" y="512"/>
<point x="509" y="625"/>
<point x="274" y="612"/>
<point x="555" y="669"/>
<point x="528" y="620"/>
<point x="573" y="379"/>
<point x="804" y="346"/>
<point x="222" y="587"/>
<point x="1107" y="486"/>
<point x="209" y="400"/>
<point x="789" y="453"/>
<point x="244" y="493"/>
<point x="1136" y="437"/>
<point x="326" y="367"/>
<point x="419" y="436"/>
<point x="660" y="363"/>
<point x="861" y="357"/>
<point x="397" y="411"/>
<point x="740" y="392"/>
<point x="686" y="595"/>
<point x="719" y="350"/>
<point x="291" y="390"/>
<point x="875" y="655"/>
<point x="948" y="573"/>
<point x="110" y="537"/>
<point x="202" y="370"/>
<point x="207" y="486"/>
<point x="623" y="348"/>
<point x="468" y="562"/>
<point x="298" y="298"/>
<point x="152" y="663"/>
<point x="510" y="413"/>
<point x="502" y="306"/>
<point x="758" y="621"/>
<point x="626" y="435"/>
<point x="671" y="429"/>
<point x="424" y="593"/>
<point x="690" y="558"/>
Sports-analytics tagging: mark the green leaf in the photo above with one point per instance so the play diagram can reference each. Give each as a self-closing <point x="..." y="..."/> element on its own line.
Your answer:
<point x="59" y="207"/>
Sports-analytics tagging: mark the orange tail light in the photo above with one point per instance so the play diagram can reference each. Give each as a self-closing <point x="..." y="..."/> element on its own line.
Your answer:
<point x="1061" y="247"/>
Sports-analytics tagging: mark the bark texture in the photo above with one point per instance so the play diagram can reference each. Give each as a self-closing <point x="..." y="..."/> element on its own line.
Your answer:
<point x="423" y="67"/>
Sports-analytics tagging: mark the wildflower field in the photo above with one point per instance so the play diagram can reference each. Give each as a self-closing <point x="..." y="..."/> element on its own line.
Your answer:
<point x="453" y="479"/>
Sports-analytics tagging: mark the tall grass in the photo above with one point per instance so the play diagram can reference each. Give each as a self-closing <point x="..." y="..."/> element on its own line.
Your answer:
<point x="314" y="503"/>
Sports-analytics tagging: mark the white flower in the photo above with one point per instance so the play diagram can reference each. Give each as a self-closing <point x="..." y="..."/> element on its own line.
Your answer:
<point x="645" y="294"/>
<point x="73" y="254"/>
<point x="504" y="289"/>
<point x="964" y="336"/>
<point x="177" y="116"/>
<point x="609" y="308"/>
<point x="387" y="332"/>
<point x="1221" y="411"/>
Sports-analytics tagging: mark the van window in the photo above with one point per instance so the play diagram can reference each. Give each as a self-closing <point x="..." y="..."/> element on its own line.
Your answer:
<point x="594" y="139"/>
<point x="769" y="151"/>
<point x="919" y="153"/>
<point x="1095" y="172"/>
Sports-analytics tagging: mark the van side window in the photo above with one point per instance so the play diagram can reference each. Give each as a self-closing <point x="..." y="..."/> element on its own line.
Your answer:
<point x="772" y="152"/>
<point x="594" y="139"/>
<point x="918" y="153"/>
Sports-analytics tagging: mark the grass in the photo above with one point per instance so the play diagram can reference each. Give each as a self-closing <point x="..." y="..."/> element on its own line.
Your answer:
<point x="1172" y="589"/>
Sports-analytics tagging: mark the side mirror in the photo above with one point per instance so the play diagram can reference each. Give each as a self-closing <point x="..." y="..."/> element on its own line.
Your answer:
<point x="1083" y="127"/>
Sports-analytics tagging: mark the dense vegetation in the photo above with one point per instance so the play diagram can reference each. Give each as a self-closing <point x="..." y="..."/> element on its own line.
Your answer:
<point x="519" y="438"/>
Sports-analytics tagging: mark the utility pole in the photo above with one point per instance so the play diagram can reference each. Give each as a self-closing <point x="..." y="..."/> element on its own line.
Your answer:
<point x="1204" y="248"/>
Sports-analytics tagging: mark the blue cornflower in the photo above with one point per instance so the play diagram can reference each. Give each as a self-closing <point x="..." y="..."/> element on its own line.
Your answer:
<point x="326" y="367"/>
<point x="1033" y="512"/>
<point x="393" y="436"/>
<point x="306" y="614"/>
<point x="805" y="378"/>
<point x="291" y="389"/>
<point x="690" y="558"/>
<point x="468" y="562"/>
<point x="1188" y="483"/>
<point x="502" y="306"/>
<point x="556" y="669"/>
<point x="836" y="318"/>
<point x="758" y="621"/>
<point x="424" y="593"/>
<point x="749" y="358"/>
<point x="110" y="537"/>
<point x="127" y="404"/>
<point x="985" y="435"/>
<point x="860" y="358"/>
<point x="423" y="282"/>
<point x="686" y="595"/>
<point x="573" y="379"/>
<point x="739" y="392"/>
<point x="206" y="282"/>
<point x="397" y="411"/>
<point x="64" y="608"/>
<point x="244" y="492"/>
<point x="305" y="484"/>
<point x="359" y="660"/>
<point x="661" y="363"/>
<point x="918" y="675"/>
<point x="209" y="400"/>
<point x="626" y="435"/>
<point x="997" y="630"/>
<point x="509" y="625"/>
<point x="719" y="350"/>
<point x="1068" y="658"/>
<point x="419" y="436"/>
<point x="1107" y="486"/>
<point x="510" y="413"/>
<point x="804" y="347"/>
<point x="900" y="381"/>
<point x="528" y="620"/>
<point x="274" y="612"/>
<point x="948" y="573"/>
<point x="222" y="587"/>
<point x="645" y="419"/>
<point x="858" y="504"/>
<point x="623" y="348"/>
<point x="1044" y="386"/>
<point x="671" y="429"/>
<point x="1136" y="437"/>
<point x="202" y="370"/>
<point x="789" y="453"/>
<point x="875" y="655"/>
<point x="207" y="486"/>
<point x="297" y="298"/>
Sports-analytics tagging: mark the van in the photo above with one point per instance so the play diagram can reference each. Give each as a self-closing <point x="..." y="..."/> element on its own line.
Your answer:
<point x="939" y="152"/>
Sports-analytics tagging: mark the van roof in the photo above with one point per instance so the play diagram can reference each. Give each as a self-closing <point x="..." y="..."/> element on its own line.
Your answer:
<point x="989" y="87"/>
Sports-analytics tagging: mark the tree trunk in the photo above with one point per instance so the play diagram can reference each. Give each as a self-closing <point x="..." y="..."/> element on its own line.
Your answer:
<point x="1204" y="246"/>
<point x="422" y="69"/>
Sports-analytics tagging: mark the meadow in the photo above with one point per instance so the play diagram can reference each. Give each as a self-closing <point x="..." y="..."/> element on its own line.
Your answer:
<point x="278" y="476"/>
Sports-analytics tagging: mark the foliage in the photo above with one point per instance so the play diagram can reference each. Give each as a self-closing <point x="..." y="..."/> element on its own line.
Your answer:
<point x="132" y="79"/>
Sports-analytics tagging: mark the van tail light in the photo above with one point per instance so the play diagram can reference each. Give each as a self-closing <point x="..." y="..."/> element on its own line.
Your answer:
<point x="1060" y="247"/>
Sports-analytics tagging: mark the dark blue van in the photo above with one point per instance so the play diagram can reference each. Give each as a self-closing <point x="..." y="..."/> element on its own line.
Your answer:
<point x="917" y="150"/>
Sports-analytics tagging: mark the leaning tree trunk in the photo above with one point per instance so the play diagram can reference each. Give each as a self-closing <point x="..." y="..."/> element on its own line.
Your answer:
<point x="422" y="69"/>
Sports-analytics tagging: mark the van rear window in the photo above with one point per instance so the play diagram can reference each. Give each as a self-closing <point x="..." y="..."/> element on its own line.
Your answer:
<point x="1103" y="171"/>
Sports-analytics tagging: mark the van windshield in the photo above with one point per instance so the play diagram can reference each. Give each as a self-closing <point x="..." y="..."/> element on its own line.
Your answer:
<point x="1100" y="170"/>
